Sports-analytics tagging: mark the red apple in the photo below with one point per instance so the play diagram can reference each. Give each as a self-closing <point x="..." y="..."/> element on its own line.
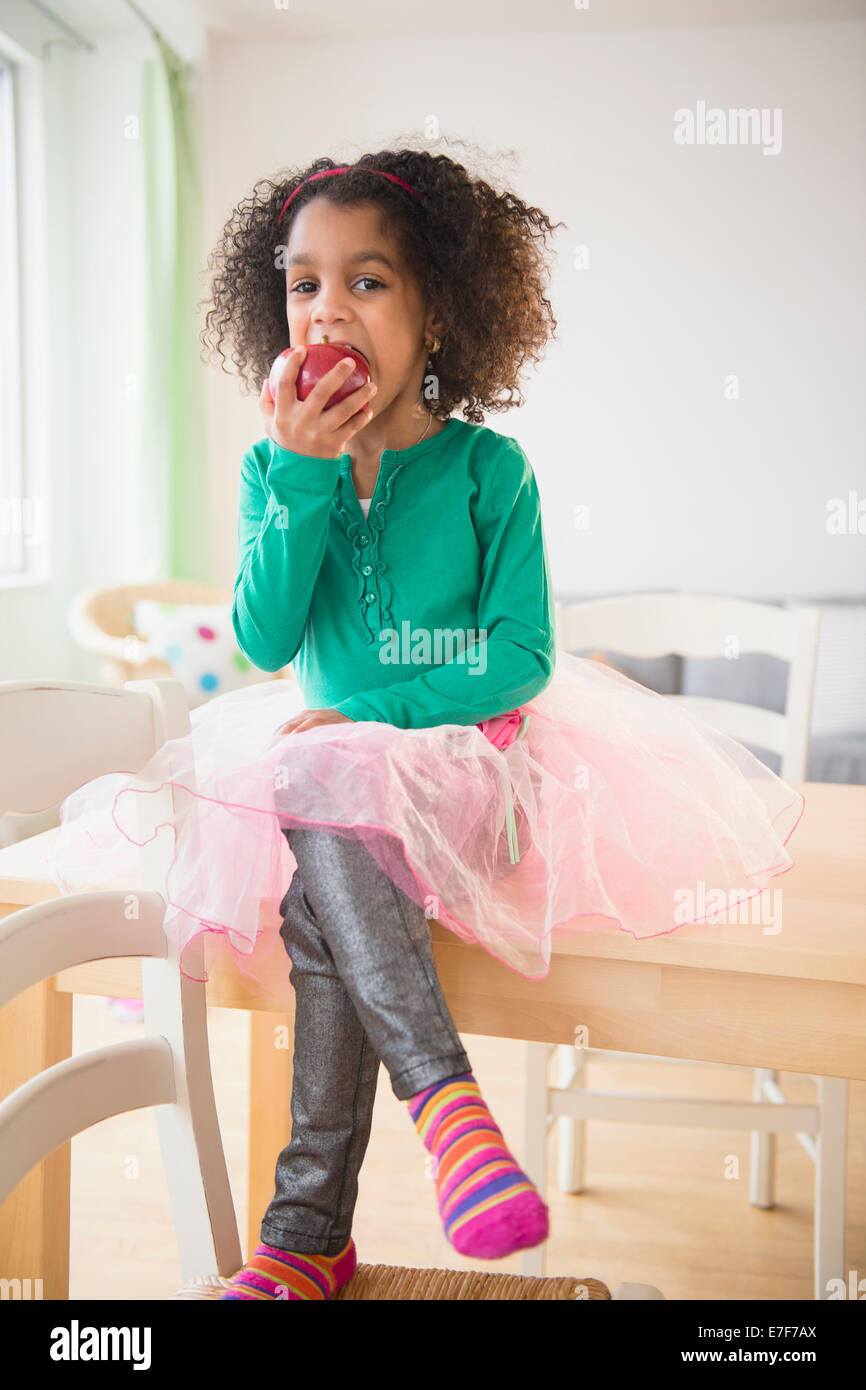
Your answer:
<point x="319" y="359"/>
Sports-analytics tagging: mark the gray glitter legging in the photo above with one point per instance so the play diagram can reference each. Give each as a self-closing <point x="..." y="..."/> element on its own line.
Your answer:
<point x="366" y="989"/>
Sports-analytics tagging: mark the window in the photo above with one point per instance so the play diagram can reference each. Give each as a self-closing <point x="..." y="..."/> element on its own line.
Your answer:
<point x="14" y="504"/>
<point x="24" y="531"/>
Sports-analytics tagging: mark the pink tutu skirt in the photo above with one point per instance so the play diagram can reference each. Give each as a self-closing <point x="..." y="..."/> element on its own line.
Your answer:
<point x="599" y="805"/>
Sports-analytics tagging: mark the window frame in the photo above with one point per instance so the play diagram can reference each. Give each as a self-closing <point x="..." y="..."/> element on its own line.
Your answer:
<point x="25" y="544"/>
<point x="12" y="558"/>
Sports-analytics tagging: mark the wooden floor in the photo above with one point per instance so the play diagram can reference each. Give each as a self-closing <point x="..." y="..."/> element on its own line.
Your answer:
<point x="660" y="1206"/>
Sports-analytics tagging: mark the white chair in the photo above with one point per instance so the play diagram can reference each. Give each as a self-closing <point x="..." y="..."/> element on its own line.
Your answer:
<point x="697" y="625"/>
<point x="116" y="730"/>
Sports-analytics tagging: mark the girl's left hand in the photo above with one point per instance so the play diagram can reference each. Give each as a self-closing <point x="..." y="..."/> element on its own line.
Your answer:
<point x="310" y="718"/>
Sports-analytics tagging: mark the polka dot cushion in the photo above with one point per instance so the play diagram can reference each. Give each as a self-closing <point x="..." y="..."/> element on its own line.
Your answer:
<point x="199" y="644"/>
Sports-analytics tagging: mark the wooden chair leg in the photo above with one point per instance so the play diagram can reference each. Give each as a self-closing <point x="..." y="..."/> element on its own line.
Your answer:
<point x="534" y="1163"/>
<point x="762" y="1164"/>
<point x="271" y="1052"/>
<point x="35" y="1033"/>
<point x="831" y="1161"/>
<point x="571" y="1132"/>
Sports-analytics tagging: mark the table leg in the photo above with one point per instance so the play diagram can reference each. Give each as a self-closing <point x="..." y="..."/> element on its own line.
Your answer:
<point x="271" y="1051"/>
<point x="36" y="1032"/>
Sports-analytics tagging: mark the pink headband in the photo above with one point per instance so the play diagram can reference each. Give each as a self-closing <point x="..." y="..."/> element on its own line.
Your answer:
<point x="346" y="169"/>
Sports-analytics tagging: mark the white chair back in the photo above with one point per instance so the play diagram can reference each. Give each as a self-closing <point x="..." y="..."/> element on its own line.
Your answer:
<point x="54" y="737"/>
<point x="704" y="625"/>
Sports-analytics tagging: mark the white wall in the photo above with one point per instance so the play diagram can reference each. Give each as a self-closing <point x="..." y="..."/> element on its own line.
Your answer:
<point x="703" y="262"/>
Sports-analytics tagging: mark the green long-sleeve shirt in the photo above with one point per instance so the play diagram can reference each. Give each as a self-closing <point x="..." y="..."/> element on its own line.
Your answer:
<point x="437" y="609"/>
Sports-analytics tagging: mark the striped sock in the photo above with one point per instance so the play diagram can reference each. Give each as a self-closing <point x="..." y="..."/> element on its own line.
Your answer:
<point x="487" y="1203"/>
<point x="273" y="1273"/>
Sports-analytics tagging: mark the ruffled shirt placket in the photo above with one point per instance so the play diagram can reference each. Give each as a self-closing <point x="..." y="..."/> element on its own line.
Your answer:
<point x="366" y="561"/>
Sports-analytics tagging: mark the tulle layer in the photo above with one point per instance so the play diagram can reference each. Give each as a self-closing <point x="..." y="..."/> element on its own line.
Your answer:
<point x="630" y="813"/>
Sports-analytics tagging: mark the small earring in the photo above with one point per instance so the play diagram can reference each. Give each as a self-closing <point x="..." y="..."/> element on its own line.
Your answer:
<point x="430" y="385"/>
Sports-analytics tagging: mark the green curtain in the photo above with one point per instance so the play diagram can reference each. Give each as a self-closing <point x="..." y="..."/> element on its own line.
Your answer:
<point x="175" y="492"/>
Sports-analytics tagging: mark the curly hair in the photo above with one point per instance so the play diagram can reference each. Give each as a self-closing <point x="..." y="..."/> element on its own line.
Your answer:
<point x="476" y="254"/>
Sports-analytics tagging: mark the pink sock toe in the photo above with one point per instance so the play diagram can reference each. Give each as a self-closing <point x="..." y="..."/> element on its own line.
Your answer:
<point x="522" y="1224"/>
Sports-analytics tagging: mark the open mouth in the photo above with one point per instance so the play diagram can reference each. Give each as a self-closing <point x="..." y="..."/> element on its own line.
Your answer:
<point x="354" y="349"/>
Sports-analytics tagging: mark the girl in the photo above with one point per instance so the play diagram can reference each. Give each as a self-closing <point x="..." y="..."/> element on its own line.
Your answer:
<point x="506" y="789"/>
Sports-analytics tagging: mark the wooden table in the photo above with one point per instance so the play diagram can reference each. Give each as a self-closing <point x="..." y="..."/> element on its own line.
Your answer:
<point x="794" y="1000"/>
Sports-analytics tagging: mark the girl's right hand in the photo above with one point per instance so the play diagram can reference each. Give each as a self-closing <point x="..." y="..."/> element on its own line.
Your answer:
<point x="305" y="427"/>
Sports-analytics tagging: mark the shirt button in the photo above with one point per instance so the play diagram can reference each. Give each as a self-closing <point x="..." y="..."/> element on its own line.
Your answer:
<point x="371" y="598"/>
<point x="365" y="540"/>
<point x="368" y="569"/>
